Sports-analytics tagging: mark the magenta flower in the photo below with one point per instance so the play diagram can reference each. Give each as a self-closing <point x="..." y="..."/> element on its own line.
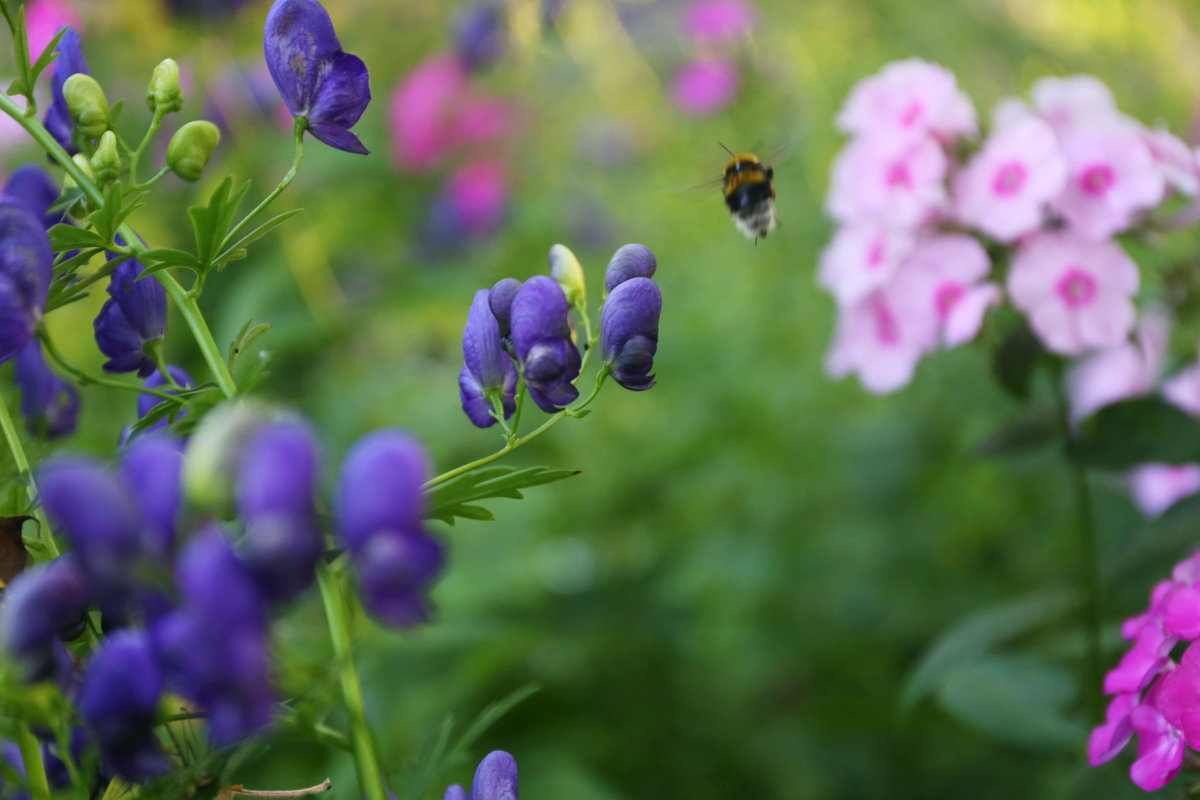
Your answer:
<point x="1160" y="744"/>
<point x="1112" y="175"/>
<point x="881" y="340"/>
<point x="1128" y="370"/>
<point x="44" y="18"/>
<point x="1110" y="738"/>
<point x="705" y="86"/>
<point x="1006" y="187"/>
<point x="719" y="21"/>
<point x="861" y="258"/>
<point x="906" y="100"/>
<point x="893" y="181"/>
<point x="1076" y="293"/>
<point x="943" y="279"/>
<point x="423" y="110"/>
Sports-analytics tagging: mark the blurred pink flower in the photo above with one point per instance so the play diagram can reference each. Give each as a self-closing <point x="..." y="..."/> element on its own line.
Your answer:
<point x="1112" y="175"/>
<point x="477" y="191"/>
<point x="719" y="20"/>
<point x="943" y="279"/>
<point x="861" y="257"/>
<point x="1006" y="187"/>
<point x="481" y="120"/>
<point x="1110" y="738"/>
<point x="1156" y="487"/>
<point x="423" y="111"/>
<point x="908" y="98"/>
<point x="43" y="18"/>
<point x="1160" y="743"/>
<point x="897" y="182"/>
<point x="1077" y="293"/>
<point x="1074" y="102"/>
<point x="1183" y="389"/>
<point x="704" y="86"/>
<point x="881" y="341"/>
<point x="1128" y="370"/>
<point x="1175" y="161"/>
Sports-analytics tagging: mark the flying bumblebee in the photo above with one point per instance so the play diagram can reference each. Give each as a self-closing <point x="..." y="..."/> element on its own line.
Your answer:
<point x="749" y="194"/>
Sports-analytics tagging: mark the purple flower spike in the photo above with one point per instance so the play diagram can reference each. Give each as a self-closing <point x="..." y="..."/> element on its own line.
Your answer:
<point x="275" y="497"/>
<point x="630" y="261"/>
<point x="151" y="469"/>
<point x="321" y="84"/>
<point x="495" y="778"/>
<point x="118" y="702"/>
<point x="488" y="372"/>
<point x="31" y="186"/>
<point x="49" y="404"/>
<point x="26" y="263"/>
<point x="146" y="402"/>
<point x="42" y="605"/>
<point x="629" y="332"/>
<point x="131" y="320"/>
<point x="70" y="61"/>
<point x="500" y="300"/>
<point x="541" y="336"/>
<point x="380" y="506"/>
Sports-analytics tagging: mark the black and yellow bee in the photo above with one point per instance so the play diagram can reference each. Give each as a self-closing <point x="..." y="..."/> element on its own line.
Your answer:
<point x="749" y="194"/>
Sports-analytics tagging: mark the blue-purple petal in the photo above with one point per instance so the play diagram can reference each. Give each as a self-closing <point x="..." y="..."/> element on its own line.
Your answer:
<point x="339" y="138"/>
<point x="32" y="187"/>
<point x="49" y="403"/>
<point x="495" y="777"/>
<point x="298" y="42"/>
<point x="630" y="261"/>
<point x="70" y="61"/>
<point x="343" y="92"/>
<point x="500" y="300"/>
<point x="380" y="486"/>
<point x="151" y="469"/>
<point x="629" y="332"/>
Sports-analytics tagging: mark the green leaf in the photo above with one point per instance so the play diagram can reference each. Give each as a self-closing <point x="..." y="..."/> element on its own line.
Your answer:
<point x="448" y="513"/>
<point x="229" y="251"/>
<point x="447" y="499"/>
<point x="23" y="85"/>
<point x="163" y="257"/>
<point x="65" y="237"/>
<point x="47" y="55"/>
<point x="1016" y="360"/>
<point x="210" y="223"/>
<point x="108" y="218"/>
<point x="1022" y="436"/>
<point x="247" y="336"/>
<point x="1133" y="432"/>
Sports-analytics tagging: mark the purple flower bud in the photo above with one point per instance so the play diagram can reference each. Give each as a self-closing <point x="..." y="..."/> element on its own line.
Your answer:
<point x="42" y="605"/>
<point x="70" y="61"/>
<point x="26" y="263"/>
<point x="49" y="404"/>
<point x="275" y="498"/>
<point x="455" y="792"/>
<point x="32" y="187"/>
<point x="380" y="506"/>
<point x="629" y="332"/>
<point x="480" y="35"/>
<point x="500" y="300"/>
<point x="488" y="372"/>
<point x="318" y="80"/>
<point x="134" y="317"/>
<point x="146" y="402"/>
<point x="630" y="261"/>
<point x="541" y="336"/>
<point x="151" y="470"/>
<point x="118" y="702"/>
<point x="495" y="777"/>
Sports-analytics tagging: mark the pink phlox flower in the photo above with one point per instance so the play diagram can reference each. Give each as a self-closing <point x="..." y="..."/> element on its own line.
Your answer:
<point x="43" y="18"/>
<point x="908" y="99"/>
<point x="881" y="340"/>
<point x="705" y="86"/>
<point x="861" y="257"/>
<point x="1112" y="176"/>
<point x="1005" y="188"/>
<point x="1077" y="293"/>
<point x="1175" y="160"/>
<point x="943" y="278"/>
<point x="1110" y="738"/>
<point x="1158" y="596"/>
<point x="896" y="182"/>
<point x="1074" y="102"/>
<point x="423" y="111"/>
<point x="719" y="21"/>
<point x="1147" y="657"/>
<point x="1178" y="696"/>
<point x="1156" y="487"/>
<point x="1181" y="614"/>
<point x="1128" y="370"/>
<point x="1183" y="389"/>
<point x="478" y="191"/>
<point x="1160" y="743"/>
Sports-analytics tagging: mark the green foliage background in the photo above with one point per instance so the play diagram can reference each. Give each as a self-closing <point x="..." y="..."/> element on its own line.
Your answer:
<point x="733" y="596"/>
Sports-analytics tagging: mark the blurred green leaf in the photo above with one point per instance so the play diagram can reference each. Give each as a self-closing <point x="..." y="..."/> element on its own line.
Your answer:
<point x="451" y="499"/>
<point x="1016" y="360"/>
<point x="48" y="54"/>
<point x="247" y="336"/>
<point x="230" y="252"/>
<point x="210" y="223"/>
<point x="1034" y="431"/>
<point x="1134" y="432"/>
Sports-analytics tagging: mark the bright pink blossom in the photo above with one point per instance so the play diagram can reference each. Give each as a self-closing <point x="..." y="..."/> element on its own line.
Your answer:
<point x="1128" y="370"/>
<point x="1074" y="102"/>
<point x="908" y="99"/>
<point x="881" y="340"/>
<point x="1110" y="738"/>
<point x="862" y="257"/>
<point x="1112" y="175"/>
<point x="1156" y="487"/>
<point x="896" y="182"/>
<point x="43" y="18"/>
<point x="1077" y="293"/>
<point x="705" y="86"/>
<point x="1160" y="743"/>
<point x="1006" y="187"/>
<point x="719" y="21"/>
<point x="1179" y="697"/>
<point x="423" y="111"/>
<point x="943" y="278"/>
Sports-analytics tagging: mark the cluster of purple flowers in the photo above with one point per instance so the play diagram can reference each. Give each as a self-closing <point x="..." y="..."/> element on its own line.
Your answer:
<point x="525" y="330"/>
<point x="709" y="81"/>
<point x="1054" y="182"/>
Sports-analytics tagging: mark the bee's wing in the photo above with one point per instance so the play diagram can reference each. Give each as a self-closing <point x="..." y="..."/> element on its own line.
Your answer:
<point x="706" y="185"/>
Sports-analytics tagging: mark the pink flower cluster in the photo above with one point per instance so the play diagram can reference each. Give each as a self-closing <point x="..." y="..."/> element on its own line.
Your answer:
<point x="1153" y="697"/>
<point x="1054" y="182"/>
<point x="709" y="81"/>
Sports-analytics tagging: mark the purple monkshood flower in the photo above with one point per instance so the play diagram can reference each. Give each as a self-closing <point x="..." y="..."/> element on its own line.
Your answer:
<point x="132" y="320"/>
<point x="629" y="332"/>
<point x="32" y="187"/>
<point x="151" y="471"/>
<point x="495" y="779"/>
<point x="275" y="498"/>
<point x="26" y="264"/>
<point x="118" y="702"/>
<point x="542" y="341"/>
<point x="49" y="404"/>
<point x="488" y="374"/>
<point x="70" y="61"/>
<point x="630" y="261"/>
<point x="500" y="300"/>
<point x="146" y="402"/>
<point x="380" y="507"/>
<point x="323" y="85"/>
<point x="42" y="605"/>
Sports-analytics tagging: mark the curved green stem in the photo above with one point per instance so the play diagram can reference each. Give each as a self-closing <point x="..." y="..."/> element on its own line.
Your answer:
<point x="84" y="379"/>
<point x="300" y="126"/>
<point x="18" y="453"/>
<point x="366" y="763"/>
<point x="134" y="157"/>
<point x="35" y="768"/>
<point x="158" y="176"/>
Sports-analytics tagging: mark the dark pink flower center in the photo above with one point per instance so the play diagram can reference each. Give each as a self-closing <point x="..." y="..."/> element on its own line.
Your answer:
<point x="1097" y="179"/>
<point x="912" y="113"/>
<point x="875" y="253"/>
<point x="947" y="295"/>
<point x="898" y="175"/>
<point x="1076" y="287"/>
<point x="1009" y="178"/>
<point x="887" y="331"/>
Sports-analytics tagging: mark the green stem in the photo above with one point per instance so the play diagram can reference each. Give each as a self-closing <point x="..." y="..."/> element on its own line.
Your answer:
<point x="83" y="379"/>
<point x="158" y="176"/>
<point x="136" y="156"/>
<point x="18" y="453"/>
<point x="366" y="763"/>
<point x="187" y="306"/>
<point x="300" y="126"/>
<point x="35" y="768"/>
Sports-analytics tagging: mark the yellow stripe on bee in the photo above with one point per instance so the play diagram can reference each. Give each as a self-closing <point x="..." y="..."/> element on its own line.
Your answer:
<point x="742" y="170"/>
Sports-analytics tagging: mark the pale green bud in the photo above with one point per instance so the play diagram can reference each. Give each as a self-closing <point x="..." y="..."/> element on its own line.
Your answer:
<point x="163" y="94"/>
<point x="106" y="161"/>
<point x="214" y="452"/>
<point x="568" y="273"/>
<point x="87" y="105"/>
<point x="82" y="162"/>
<point x="190" y="148"/>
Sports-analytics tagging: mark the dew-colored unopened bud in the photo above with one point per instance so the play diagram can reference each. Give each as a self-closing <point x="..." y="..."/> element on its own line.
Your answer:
<point x="87" y="104"/>
<point x="106" y="161"/>
<point x="163" y="94"/>
<point x="82" y="162"/>
<point x="191" y="147"/>
<point x="568" y="273"/>
<point x="214" y="452"/>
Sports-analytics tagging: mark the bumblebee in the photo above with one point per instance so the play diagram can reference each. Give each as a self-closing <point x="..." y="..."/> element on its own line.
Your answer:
<point x="749" y="194"/>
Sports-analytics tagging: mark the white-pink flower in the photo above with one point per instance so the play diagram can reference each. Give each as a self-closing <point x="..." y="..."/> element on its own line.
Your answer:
<point x="943" y="279"/>
<point x="1112" y="176"/>
<point x="906" y="99"/>
<point x="862" y="257"/>
<point x="1005" y="188"/>
<point x="1157" y="487"/>
<point x="880" y="340"/>
<point x="1077" y="293"/>
<point x="1175" y="160"/>
<point x="1183" y="389"/>
<point x="1119" y="373"/>
<point x="1074" y="102"/>
<point x="895" y="182"/>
